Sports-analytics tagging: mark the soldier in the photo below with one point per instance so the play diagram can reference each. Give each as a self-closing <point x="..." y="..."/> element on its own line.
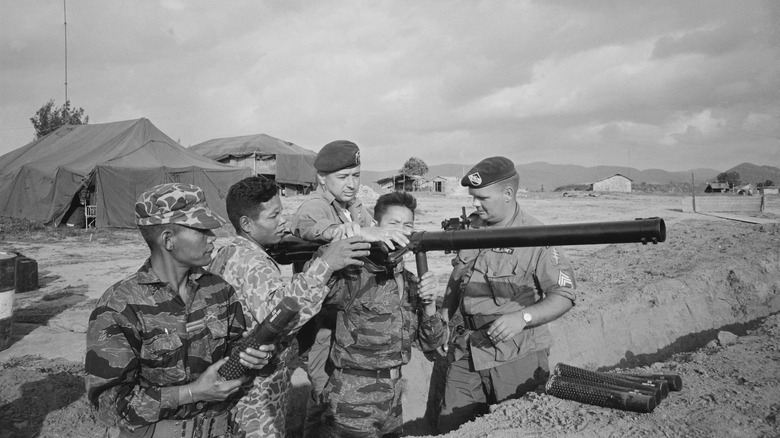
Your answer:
<point x="157" y="338"/>
<point x="506" y="296"/>
<point x="382" y="312"/>
<point x="255" y="210"/>
<point x="334" y="212"/>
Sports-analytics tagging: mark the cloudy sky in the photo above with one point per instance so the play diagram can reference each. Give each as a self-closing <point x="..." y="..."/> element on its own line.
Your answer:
<point x="672" y="84"/>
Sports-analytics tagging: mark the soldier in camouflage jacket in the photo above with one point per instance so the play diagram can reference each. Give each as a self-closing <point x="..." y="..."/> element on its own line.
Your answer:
<point x="382" y="313"/>
<point x="255" y="210"/>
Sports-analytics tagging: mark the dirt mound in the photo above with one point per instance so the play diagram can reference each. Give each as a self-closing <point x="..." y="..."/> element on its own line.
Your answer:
<point x="366" y="192"/>
<point x="728" y="390"/>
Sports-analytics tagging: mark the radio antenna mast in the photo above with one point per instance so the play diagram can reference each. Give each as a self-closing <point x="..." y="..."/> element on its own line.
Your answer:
<point x="65" y="16"/>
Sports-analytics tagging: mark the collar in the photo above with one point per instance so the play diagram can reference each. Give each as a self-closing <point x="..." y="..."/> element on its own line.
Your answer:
<point x="146" y="274"/>
<point x="328" y="196"/>
<point x="518" y="218"/>
<point x="246" y="242"/>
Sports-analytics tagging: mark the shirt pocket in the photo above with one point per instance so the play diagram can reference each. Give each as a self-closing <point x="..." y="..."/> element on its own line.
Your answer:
<point x="218" y="328"/>
<point x="501" y="276"/>
<point x="368" y="325"/>
<point x="218" y="331"/>
<point x="162" y="347"/>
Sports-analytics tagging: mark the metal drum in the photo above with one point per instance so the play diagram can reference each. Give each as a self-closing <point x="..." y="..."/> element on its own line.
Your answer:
<point x="7" y="289"/>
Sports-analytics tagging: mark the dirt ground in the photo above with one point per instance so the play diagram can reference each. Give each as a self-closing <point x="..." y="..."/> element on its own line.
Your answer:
<point x="702" y="305"/>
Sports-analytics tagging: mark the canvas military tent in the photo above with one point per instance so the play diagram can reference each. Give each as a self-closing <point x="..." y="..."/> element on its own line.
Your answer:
<point x="41" y="181"/>
<point x="289" y="164"/>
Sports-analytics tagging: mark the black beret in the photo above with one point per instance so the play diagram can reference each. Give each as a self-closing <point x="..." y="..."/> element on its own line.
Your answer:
<point x="337" y="155"/>
<point x="489" y="171"/>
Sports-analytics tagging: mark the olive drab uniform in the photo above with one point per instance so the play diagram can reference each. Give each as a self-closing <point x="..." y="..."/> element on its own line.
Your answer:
<point x="493" y="282"/>
<point x="379" y="319"/>
<point x="313" y="217"/>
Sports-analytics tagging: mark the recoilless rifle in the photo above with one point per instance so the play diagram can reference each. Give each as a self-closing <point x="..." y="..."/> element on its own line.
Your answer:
<point x="458" y="235"/>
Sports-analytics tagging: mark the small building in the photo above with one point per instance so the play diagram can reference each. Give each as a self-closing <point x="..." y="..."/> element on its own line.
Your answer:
<point x="406" y="183"/>
<point x="614" y="183"/>
<point x="769" y="191"/>
<point x="717" y="187"/>
<point x="448" y="185"/>
<point x="745" y="189"/>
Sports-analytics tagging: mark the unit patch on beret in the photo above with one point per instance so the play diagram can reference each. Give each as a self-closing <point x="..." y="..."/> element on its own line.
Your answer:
<point x="489" y="171"/>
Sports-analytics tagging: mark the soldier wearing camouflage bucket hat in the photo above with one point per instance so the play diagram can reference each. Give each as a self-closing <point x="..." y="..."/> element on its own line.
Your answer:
<point x="157" y="338"/>
<point x="176" y="203"/>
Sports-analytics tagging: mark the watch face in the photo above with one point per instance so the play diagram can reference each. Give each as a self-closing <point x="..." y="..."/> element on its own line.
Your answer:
<point x="527" y="317"/>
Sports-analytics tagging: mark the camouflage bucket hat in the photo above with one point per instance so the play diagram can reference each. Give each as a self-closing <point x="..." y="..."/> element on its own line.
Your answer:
<point x="176" y="203"/>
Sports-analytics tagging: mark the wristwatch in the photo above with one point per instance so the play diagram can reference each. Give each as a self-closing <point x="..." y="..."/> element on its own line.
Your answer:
<point x="527" y="317"/>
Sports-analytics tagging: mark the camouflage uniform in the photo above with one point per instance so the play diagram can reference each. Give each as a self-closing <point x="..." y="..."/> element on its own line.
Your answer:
<point x="260" y="288"/>
<point x="313" y="217"/>
<point x="378" y="321"/>
<point x="493" y="282"/>
<point x="143" y="341"/>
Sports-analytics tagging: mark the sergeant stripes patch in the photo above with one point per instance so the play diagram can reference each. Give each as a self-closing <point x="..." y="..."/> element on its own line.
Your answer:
<point x="564" y="280"/>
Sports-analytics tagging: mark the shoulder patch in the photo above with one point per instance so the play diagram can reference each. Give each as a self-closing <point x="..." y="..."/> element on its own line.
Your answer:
<point x="555" y="257"/>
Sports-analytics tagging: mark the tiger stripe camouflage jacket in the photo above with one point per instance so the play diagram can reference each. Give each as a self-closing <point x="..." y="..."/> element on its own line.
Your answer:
<point x="143" y="341"/>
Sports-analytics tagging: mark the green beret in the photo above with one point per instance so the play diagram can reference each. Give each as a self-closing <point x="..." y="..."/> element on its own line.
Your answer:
<point x="176" y="203"/>
<point x="337" y="155"/>
<point x="489" y="171"/>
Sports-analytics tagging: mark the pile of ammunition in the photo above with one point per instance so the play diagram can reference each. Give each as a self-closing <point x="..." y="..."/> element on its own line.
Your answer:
<point x="628" y="392"/>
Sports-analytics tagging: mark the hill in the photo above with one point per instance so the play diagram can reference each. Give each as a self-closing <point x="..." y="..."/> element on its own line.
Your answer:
<point x="751" y="173"/>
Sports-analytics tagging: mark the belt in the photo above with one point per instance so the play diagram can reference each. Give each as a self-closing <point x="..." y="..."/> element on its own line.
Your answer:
<point x="387" y="373"/>
<point x="476" y="322"/>
<point x="197" y="427"/>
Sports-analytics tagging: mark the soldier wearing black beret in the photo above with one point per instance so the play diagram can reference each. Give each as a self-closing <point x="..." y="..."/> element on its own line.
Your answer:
<point x="337" y="155"/>
<point x="489" y="171"/>
<point x="506" y="297"/>
<point x="334" y="212"/>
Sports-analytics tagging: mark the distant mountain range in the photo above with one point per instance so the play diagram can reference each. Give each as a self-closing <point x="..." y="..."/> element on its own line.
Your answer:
<point x="535" y="175"/>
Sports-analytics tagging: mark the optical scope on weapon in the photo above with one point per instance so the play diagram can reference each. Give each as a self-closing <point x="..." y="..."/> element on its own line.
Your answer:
<point x="650" y="230"/>
<point x="265" y="333"/>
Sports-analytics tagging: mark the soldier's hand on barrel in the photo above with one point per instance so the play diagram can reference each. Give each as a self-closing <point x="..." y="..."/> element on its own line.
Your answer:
<point x="345" y="252"/>
<point x="506" y="327"/>
<point x="389" y="236"/>
<point x="344" y="231"/>
<point x="426" y="288"/>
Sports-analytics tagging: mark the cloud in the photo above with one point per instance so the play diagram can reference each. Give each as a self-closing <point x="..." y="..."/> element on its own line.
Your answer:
<point x="562" y="81"/>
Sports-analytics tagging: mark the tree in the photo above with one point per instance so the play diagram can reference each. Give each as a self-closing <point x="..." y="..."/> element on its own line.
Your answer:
<point x="768" y="183"/>
<point x="48" y="118"/>
<point x="729" y="177"/>
<point x="414" y="166"/>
